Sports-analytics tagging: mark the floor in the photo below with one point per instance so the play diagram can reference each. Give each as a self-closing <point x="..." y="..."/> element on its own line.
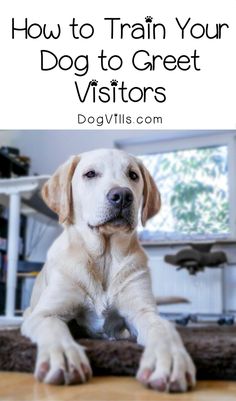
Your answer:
<point x="23" y="387"/>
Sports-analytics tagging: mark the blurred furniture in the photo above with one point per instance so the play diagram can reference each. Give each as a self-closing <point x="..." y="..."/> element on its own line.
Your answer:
<point x="12" y="163"/>
<point x="12" y="191"/>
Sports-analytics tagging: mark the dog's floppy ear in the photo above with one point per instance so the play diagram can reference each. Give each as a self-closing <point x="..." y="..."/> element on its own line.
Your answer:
<point x="151" y="196"/>
<point x="57" y="192"/>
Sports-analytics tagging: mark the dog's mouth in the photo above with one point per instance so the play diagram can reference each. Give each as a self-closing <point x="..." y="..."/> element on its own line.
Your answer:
<point x="119" y="221"/>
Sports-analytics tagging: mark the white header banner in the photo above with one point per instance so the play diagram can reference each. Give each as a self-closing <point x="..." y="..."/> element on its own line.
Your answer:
<point x="118" y="65"/>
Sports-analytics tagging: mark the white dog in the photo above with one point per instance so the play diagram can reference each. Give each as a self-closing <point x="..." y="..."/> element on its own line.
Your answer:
<point x="96" y="272"/>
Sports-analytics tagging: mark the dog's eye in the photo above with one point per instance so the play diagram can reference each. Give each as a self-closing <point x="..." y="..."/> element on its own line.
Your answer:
<point x="133" y="176"/>
<point x="90" y="174"/>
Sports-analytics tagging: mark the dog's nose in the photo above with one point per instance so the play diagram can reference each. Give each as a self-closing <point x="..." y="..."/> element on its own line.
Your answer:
<point x="120" y="197"/>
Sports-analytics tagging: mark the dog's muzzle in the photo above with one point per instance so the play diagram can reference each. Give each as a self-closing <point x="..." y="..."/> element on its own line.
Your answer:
<point x="120" y="211"/>
<point x="120" y="200"/>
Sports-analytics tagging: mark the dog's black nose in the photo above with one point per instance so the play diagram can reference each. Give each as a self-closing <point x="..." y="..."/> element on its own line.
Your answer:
<point x="120" y="197"/>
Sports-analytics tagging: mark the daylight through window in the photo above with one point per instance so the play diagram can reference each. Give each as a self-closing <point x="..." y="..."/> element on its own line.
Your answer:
<point x="195" y="194"/>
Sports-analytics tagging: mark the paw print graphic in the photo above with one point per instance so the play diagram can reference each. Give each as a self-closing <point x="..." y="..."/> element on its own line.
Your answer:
<point x="114" y="82"/>
<point x="94" y="82"/>
<point x="148" y="19"/>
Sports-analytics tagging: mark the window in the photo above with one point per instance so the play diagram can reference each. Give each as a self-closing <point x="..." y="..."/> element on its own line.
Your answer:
<point x="197" y="185"/>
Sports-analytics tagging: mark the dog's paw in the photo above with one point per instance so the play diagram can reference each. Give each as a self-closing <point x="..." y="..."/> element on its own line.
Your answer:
<point x="60" y="364"/>
<point x="167" y="370"/>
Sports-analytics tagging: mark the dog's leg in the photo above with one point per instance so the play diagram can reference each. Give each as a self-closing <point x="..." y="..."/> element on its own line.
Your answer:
<point x="60" y="360"/>
<point x="165" y="364"/>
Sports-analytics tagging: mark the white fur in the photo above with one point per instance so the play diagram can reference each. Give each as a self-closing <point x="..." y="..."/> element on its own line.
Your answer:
<point x="97" y="268"/>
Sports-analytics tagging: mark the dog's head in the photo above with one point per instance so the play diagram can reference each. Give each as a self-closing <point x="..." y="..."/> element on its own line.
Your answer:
<point x="104" y="189"/>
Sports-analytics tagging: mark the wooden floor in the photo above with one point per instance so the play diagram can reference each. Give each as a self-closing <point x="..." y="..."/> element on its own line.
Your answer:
<point x="23" y="387"/>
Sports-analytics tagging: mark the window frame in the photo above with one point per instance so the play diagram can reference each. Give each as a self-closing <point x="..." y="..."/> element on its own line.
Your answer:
<point x="185" y="141"/>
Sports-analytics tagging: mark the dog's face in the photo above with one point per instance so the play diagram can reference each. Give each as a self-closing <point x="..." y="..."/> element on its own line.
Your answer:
<point x="107" y="189"/>
<point x="103" y="189"/>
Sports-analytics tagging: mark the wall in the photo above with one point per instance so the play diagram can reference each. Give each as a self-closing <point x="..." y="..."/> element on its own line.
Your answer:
<point x="48" y="149"/>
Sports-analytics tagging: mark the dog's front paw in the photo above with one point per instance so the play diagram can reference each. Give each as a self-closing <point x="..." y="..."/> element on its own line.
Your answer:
<point x="167" y="370"/>
<point x="60" y="364"/>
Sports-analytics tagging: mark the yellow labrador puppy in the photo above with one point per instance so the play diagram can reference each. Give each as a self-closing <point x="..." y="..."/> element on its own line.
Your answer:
<point x="96" y="272"/>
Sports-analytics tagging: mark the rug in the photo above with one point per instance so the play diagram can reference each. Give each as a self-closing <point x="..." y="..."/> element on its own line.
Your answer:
<point x="212" y="348"/>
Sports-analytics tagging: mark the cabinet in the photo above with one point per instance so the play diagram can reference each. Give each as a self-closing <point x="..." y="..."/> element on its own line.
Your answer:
<point x="4" y="219"/>
<point x="12" y="191"/>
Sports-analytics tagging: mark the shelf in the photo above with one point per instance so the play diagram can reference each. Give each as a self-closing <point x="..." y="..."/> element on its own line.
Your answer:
<point x="10" y="163"/>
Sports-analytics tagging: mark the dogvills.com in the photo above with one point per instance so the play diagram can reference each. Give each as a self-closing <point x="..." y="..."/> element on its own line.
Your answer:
<point x="119" y="119"/>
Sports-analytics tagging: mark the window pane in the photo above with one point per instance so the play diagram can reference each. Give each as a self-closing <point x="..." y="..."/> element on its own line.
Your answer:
<point x="195" y="196"/>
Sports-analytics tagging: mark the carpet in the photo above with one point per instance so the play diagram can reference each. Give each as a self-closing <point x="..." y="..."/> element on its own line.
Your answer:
<point x="212" y="348"/>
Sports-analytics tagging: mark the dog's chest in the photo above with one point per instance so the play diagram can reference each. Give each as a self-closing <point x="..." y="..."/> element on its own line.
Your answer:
<point x="102" y="319"/>
<point x="96" y="312"/>
<point x="100" y="315"/>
